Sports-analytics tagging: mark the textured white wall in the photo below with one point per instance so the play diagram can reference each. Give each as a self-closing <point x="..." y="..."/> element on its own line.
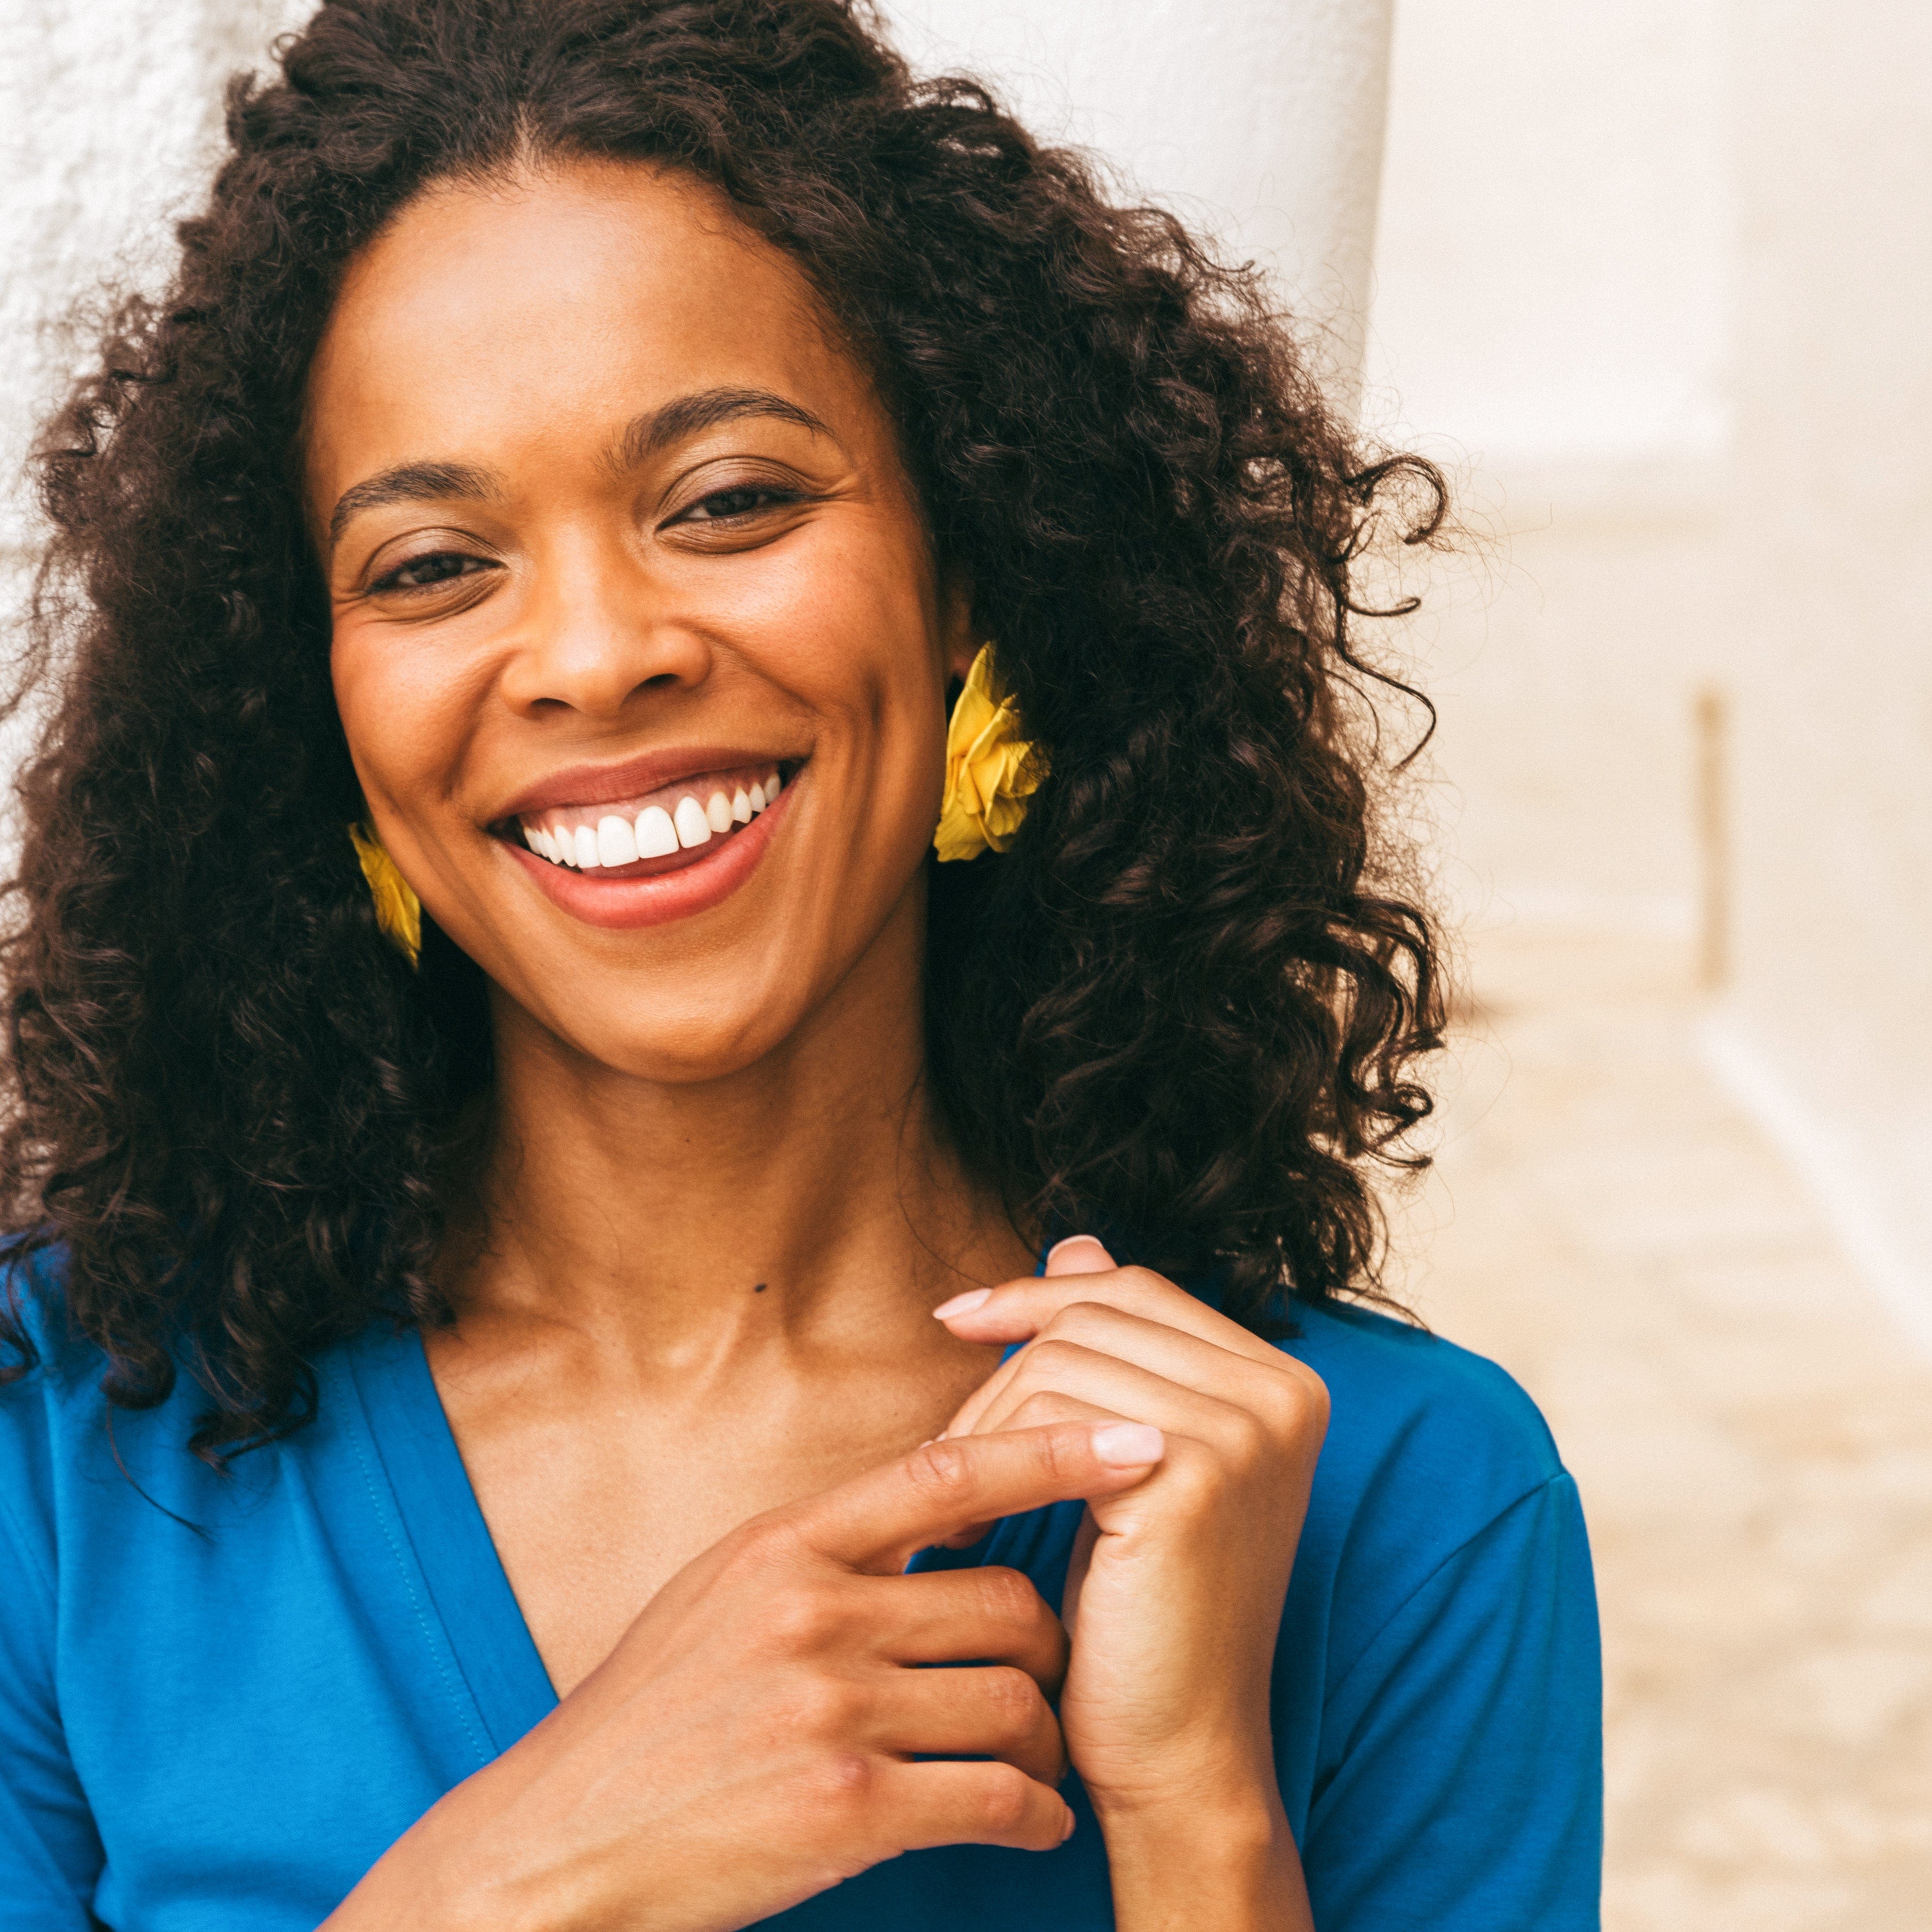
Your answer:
<point x="1653" y="275"/>
<point x="109" y="113"/>
<point x="1260" y="117"/>
<point x="1830" y="551"/>
<point x="1260" y="121"/>
<point x="1553" y="273"/>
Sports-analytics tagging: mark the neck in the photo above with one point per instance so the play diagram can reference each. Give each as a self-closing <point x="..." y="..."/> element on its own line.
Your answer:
<point x="808" y="1198"/>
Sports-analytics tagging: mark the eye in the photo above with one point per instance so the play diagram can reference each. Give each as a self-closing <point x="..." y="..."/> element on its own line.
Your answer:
<point x="744" y="500"/>
<point x="425" y="573"/>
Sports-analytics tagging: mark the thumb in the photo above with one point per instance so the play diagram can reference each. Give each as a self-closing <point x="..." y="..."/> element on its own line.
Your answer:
<point x="1078" y="1254"/>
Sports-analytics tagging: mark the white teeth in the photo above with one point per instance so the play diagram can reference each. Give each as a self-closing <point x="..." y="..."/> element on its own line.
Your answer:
<point x="616" y="843"/>
<point x="656" y="834"/>
<point x="694" y="828"/>
<point x="655" y="831"/>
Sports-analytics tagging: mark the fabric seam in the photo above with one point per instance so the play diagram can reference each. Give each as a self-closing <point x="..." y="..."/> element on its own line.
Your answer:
<point x="1435" y="1570"/>
<point x="459" y="1697"/>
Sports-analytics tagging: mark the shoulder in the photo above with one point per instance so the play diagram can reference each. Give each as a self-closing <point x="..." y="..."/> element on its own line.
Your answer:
<point x="69" y="1461"/>
<point x="1401" y="1396"/>
<point x="47" y="1370"/>
<point x="1433" y="1455"/>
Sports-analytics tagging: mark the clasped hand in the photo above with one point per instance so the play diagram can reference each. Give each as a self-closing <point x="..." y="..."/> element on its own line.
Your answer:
<point x="761" y="1731"/>
<point x="1174" y="1595"/>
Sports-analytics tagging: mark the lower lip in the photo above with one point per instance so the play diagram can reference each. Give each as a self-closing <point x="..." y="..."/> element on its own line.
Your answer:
<point x="658" y="898"/>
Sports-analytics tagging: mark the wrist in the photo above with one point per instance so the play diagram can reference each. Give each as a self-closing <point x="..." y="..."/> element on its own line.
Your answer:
<point x="1224" y="1857"/>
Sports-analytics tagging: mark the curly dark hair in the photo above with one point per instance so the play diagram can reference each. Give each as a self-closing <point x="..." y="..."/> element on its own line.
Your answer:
<point x="1188" y="1002"/>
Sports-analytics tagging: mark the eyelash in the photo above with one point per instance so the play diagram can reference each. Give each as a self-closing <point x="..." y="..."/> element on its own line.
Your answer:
<point x="768" y="496"/>
<point x="391" y="580"/>
<point x="773" y="497"/>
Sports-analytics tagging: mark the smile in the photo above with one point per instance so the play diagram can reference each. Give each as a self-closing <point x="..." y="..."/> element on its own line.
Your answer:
<point x="620" y="859"/>
<point x="617" y="835"/>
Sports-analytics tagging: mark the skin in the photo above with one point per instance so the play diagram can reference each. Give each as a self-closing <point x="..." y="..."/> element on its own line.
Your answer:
<point x="695" y="1374"/>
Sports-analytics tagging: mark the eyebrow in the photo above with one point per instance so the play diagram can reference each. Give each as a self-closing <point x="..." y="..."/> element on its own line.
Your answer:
<point x="705" y="409"/>
<point x="643" y="436"/>
<point x="409" y="483"/>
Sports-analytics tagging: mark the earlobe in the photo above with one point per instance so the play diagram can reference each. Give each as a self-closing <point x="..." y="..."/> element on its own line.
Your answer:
<point x="960" y="636"/>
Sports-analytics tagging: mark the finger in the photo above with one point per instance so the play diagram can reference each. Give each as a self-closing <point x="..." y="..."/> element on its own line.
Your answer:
<point x="1044" y="1405"/>
<point x="951" y="1804"/>
<point x="876" y="1521"/>
<point x="1271" y="1384"/>
<point x="1106" y="1381"/>
<point x="995" y="1712"/>
<point x="1016" y="1311"/>
<point x="959" y="1616"/>
<point x="1078" y="1254"/>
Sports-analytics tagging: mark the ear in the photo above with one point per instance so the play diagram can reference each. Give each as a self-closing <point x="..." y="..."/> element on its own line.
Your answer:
<point x="959" y="638"/>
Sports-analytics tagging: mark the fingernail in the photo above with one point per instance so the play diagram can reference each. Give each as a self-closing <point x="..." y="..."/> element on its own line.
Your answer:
<point x="962" y="1304"/>
<point x="1100" y="1266"/>
<point x="1067" y="1830"/>
<point x="1128" y="1445"/>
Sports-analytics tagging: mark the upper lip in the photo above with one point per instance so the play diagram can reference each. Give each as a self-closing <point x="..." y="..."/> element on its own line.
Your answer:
<point x="650" y="771"/>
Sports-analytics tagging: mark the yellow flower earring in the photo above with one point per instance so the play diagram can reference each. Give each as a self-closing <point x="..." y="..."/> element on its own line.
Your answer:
<point x="990" y="769"/>
<point x="398" y="910"/>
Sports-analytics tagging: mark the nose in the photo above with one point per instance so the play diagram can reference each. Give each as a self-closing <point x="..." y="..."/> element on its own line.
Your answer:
<point x="597" y="635"/>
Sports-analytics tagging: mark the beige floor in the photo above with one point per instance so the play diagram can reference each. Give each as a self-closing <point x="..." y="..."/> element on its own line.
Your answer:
<point x="1752" y="1434"/>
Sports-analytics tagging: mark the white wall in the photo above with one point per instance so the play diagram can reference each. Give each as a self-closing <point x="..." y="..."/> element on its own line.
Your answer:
<point x="1552" y="272"/>
<point x="1260" y="121"/>
<point x="109" y="115"/>
<point x="1654" y="277"/>
<point x="1551" y="320"/>
<point x="1830" y="555"/>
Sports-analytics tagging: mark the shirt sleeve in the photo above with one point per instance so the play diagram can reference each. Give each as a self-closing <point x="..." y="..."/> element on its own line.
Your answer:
<point x="1460" y="1788"/>
<point x="50" y="1854"/>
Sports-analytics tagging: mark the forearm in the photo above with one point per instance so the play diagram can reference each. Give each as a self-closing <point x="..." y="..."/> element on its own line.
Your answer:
<point x="1176" y="1867"/>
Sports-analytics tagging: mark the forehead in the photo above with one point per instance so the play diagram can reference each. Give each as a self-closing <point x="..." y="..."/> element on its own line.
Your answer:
<point x="557" y="301"/>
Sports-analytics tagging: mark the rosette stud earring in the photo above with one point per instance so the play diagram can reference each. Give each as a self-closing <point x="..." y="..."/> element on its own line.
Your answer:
<point x="991" y="768"/>
<point x="398" y="910"/>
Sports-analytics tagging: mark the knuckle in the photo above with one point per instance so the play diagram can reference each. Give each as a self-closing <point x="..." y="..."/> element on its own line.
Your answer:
<point x="842" y="1783"/>
<point x="1053" y="1354"/>
<point x="1197" y="1474"/>
<point x="800" y="1621"/>
<point x="1077" y="1318"/>
<point x="1042" y="1407"/>
<point x="942" y="1471"/>
<point x="774" y="1541"/>
<point x="814" y="1706"/>
<point x="1005" y="1798"/>
<point x="1250" y="1443"/>
<point x="1008" y="1598"/>
<point x="1013" y="1699"/>
<point x="1293" y="1407"/>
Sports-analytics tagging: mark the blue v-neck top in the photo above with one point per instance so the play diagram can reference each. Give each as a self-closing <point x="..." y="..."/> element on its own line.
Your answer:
<point x="223" y="1698"/>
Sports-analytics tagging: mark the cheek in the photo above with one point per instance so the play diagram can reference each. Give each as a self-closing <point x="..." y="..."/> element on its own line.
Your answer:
<point x="859" y="645"/>
<point x="404" y="711"/>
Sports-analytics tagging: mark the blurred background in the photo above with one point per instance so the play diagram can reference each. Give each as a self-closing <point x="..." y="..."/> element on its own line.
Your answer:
<point x="1650" y="279"/>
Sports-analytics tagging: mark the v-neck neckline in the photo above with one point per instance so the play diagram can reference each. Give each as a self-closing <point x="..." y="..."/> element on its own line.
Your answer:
<point x="455" y="1554"/>
<point x="461" y="1574"/>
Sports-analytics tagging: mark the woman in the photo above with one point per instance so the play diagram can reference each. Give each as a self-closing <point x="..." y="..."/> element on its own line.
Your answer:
<point x="513" y="1416"/>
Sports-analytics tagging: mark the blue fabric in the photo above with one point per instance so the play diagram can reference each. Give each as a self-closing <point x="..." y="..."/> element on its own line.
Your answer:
<point x="221" y="1699"/>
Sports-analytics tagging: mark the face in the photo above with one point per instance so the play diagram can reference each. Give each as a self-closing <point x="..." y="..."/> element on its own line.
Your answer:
<point x="638" y="644"/>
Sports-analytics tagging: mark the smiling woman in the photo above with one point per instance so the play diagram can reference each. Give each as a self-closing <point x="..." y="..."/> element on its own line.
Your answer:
<point x="724" y="1324"/>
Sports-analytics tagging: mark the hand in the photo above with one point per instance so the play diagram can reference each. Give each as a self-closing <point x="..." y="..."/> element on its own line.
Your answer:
<point x="750" y="1739"/>
<point x="1175" y="1594"/>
